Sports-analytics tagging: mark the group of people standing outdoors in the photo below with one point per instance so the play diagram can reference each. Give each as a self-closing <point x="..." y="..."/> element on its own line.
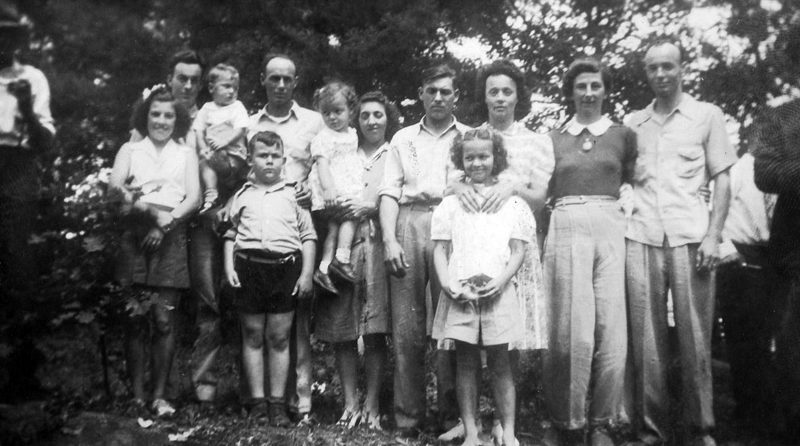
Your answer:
<point x="493" y="238"/>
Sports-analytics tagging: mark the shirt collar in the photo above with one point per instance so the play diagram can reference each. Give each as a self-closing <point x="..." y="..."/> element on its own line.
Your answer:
<point x="376" y="155"/>
<point x="512" y="130"/>
<point x="453" y="123"/>
<point x="292" y="113"/>
<point x="267" y="189"/>
<point x="597" y="128"/>
<point x="687" y="106"/>
<point x="151" y="148"/>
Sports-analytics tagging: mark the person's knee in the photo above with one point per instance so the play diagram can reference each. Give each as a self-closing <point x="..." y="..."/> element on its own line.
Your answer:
<point x="253" y="337"/>
<point x="278" y="340"/>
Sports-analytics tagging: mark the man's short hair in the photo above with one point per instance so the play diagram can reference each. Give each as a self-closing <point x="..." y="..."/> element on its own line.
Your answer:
<point x="267" y="138"/>
<point x="274" y="55"/>
<point x="190" y="57"/>
<point x="666" y="40"/>
<point x="437" y="71"/>
<point x="219" y="70"/>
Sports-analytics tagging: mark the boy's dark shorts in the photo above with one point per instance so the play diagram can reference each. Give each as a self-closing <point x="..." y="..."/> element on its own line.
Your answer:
<point x="267" y="280"/>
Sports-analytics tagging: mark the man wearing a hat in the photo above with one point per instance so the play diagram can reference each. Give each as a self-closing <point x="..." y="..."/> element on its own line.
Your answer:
<point x="26" y="130"/>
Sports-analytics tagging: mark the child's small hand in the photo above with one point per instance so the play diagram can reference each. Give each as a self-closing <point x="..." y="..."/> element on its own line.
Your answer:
<point x="232" y="277"/>
<point x="215" y="142"/>
<point x="493" y="288"/>
<point x="454" y="292"/>
<point x="152" y="241"/>
<point x="303" y="289"/>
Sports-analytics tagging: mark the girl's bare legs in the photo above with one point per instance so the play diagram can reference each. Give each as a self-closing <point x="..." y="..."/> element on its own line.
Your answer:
<point x="135" y="337"/>
<point x="468" y="364"/>
<point x="504" y="391"/>
<point x="164" y="339"/>
<point x="329" y="246"/>
<point x="347" y="232"/>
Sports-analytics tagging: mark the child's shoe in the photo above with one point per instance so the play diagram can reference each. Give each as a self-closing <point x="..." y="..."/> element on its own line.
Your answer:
<point x="324" y="281"/>
<point x="277" y="414"/>
<point x="342" y="270"/>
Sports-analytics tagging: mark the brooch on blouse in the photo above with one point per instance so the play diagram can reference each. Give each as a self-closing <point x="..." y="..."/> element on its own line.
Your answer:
<point x="587" y="145"/>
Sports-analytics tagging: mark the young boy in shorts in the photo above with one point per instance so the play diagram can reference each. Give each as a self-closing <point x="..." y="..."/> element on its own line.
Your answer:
<point x="269" y="260"/>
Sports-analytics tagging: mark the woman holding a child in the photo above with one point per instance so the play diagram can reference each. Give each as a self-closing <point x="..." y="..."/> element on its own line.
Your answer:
<point x="361" y="310"/>
<point x="158" y="181"/>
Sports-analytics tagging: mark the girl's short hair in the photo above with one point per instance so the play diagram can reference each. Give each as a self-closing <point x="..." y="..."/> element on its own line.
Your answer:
<point x="160" y="93"/>
<point x="392" y="113"/>
<point x="507" y="68"/>
<point x="485" y="134"/>
<point x="267" y="138"/>
<point x="219" y="70"/>
<point x="580" y="66"/>
<point x="324" y="95"/>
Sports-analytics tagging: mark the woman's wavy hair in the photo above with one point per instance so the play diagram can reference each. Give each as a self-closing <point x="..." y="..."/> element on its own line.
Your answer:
<point x="507" y="68"/>
<point x="160" y="93"/>
<point x="392" y="113"/>
<point x="580" y="66"/>
<point x="485" y="134"/>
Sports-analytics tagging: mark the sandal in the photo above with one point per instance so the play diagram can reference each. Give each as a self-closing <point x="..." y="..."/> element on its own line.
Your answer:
<point x="349" y="419"/>
<point x="162" y="408"/>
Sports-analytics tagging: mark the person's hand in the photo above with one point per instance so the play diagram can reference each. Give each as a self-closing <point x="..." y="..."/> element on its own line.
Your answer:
<point x="215" y="142"/>
<point x="493" y="288"/>
<point x="152" y="241"/>
<point x="395" y="258"/>
<point x="497" y="196"/>
<point x="303" y="195"/>
<point x="21" y="89"/>
<point x="733" y="257"/>
<point x="330" y="197"/>
<point x="164" y="220"/>
<point x="353" y="209"/>
<point x="455" y="292"/>
<point x="232" y="277"/>
<point x="468" y="197"/>
<point x="705" y="193"/>
<point x="708" y="254"/>
<point x="303" y="289"/>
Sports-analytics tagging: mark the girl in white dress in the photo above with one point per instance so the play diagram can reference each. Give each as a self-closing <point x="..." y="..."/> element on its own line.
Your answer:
<point x="476" y="255"/>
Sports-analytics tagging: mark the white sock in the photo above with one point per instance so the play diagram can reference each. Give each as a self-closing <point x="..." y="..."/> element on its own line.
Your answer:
<point x="323" y="266"/>
<point x="343" y="255"/>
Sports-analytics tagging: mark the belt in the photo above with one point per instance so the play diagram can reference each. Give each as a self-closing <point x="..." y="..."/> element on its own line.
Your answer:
<point x="583" y="199"/>
<point x="423" y="206"/>
<point x="288" y="259"/>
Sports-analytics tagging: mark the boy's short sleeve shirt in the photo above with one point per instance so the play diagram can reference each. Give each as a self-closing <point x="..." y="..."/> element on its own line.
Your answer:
<point x="268" y="218"/>
<point x="678" y="154"/>
<point x="296" y="130"/>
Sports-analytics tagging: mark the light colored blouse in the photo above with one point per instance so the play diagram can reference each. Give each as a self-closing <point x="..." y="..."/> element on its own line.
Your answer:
<point x="160" y="175"/>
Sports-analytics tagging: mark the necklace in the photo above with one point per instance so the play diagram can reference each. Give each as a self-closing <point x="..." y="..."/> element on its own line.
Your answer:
<point x="588" y="143"/>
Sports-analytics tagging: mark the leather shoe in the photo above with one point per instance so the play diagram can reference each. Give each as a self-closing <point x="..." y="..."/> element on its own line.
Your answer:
<point x="342" y="270"/>
<point x="324" y="281"/>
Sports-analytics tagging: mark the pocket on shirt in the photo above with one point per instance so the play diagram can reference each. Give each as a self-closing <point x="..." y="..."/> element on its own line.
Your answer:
<point x="691" y="161"/>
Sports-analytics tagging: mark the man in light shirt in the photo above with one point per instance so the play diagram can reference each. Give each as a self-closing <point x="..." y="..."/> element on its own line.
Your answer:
<point x="673" y="245"/>
<point x="415" y="179"/>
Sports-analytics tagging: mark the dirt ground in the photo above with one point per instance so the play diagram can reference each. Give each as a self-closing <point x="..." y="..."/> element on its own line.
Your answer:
<point x="74" y="407"/>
